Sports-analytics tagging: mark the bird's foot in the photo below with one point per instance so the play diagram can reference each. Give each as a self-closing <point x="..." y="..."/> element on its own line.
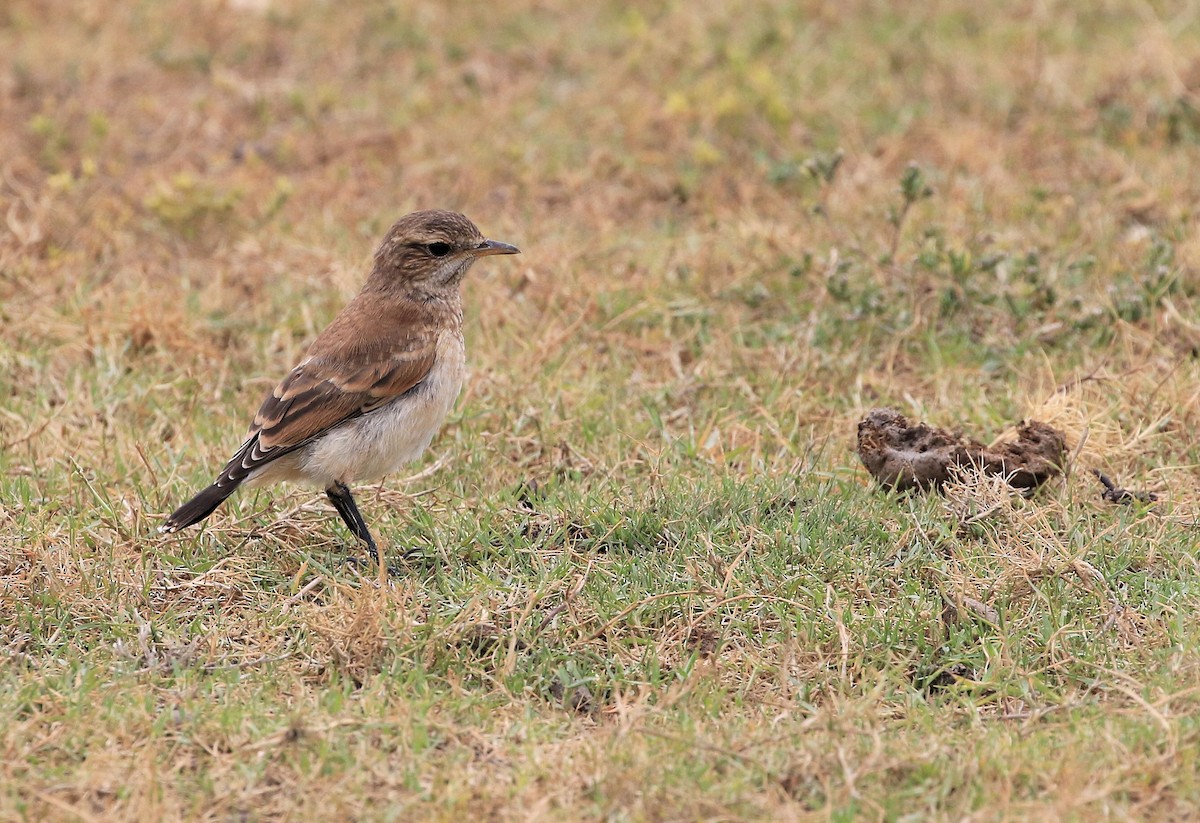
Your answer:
<point x="364" y="565"/>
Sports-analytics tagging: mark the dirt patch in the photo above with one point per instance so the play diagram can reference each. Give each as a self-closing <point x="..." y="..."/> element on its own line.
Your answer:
<point x="903" y="456"/>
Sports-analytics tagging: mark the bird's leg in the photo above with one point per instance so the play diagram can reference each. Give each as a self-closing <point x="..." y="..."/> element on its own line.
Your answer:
<point x="343" y="501"/>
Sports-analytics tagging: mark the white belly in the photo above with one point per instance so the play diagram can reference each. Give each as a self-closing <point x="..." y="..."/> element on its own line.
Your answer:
<point x="381" y="441"/>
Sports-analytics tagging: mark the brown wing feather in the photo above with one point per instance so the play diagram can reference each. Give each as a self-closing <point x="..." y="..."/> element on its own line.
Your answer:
<point x="317" y="396"/>
<point x="350" y="370"/>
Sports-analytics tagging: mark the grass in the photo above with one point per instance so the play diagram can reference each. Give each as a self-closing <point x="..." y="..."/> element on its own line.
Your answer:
<point x="645" y="576"/>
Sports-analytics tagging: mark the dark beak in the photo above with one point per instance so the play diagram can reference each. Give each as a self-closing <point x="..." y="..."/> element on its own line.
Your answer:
<point x="488" y="247"/>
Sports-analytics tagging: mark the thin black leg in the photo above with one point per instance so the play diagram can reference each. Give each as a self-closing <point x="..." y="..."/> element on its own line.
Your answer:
<point x="343" y="501"/>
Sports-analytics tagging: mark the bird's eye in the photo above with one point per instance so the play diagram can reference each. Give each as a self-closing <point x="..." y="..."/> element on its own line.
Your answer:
<point x="438" y="249"/>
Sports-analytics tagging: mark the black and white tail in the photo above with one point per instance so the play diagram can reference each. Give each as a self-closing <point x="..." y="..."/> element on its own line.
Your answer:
<point x="198" y="508"/>
<point x="205" y="503"/>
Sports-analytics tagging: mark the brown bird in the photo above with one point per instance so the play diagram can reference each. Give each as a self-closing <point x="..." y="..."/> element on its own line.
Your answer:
<point x="375" y="386"/>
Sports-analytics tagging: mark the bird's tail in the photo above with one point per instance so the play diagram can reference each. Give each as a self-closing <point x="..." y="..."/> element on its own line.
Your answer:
<point x="236" y="472"/>
<point x="198" y="508"/>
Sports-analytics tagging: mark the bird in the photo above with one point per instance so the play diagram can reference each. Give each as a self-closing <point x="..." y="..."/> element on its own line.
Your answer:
<point x="374" y="387"/>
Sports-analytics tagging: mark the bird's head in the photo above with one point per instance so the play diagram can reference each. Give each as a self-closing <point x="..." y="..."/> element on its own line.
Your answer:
<point x="427" y="253"/>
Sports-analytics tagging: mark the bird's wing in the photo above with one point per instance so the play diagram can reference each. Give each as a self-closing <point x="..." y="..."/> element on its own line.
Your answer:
<point x="320" y="394"/>
<point x="338" y="383"/>
<point x="374" y="351"/>
<point x="314" y="397"/>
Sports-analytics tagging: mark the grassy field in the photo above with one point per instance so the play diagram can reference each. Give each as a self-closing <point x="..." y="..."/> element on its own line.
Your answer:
<point x="644" y="575"/>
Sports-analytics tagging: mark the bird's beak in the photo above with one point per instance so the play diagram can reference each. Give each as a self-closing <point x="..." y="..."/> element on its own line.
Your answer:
<point x="488" y="247"/>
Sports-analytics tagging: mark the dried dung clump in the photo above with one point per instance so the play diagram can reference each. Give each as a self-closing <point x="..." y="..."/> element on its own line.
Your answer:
<point x="903" y="456"/>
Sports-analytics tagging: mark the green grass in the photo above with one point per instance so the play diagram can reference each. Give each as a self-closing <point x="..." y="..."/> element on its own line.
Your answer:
<point x="644" y="576"/>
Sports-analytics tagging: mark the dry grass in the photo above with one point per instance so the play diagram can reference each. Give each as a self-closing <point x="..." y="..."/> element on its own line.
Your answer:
<point x="742" y="227"/>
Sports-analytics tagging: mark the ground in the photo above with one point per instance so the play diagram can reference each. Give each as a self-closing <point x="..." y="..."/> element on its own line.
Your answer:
<point x="643" y="574"/>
